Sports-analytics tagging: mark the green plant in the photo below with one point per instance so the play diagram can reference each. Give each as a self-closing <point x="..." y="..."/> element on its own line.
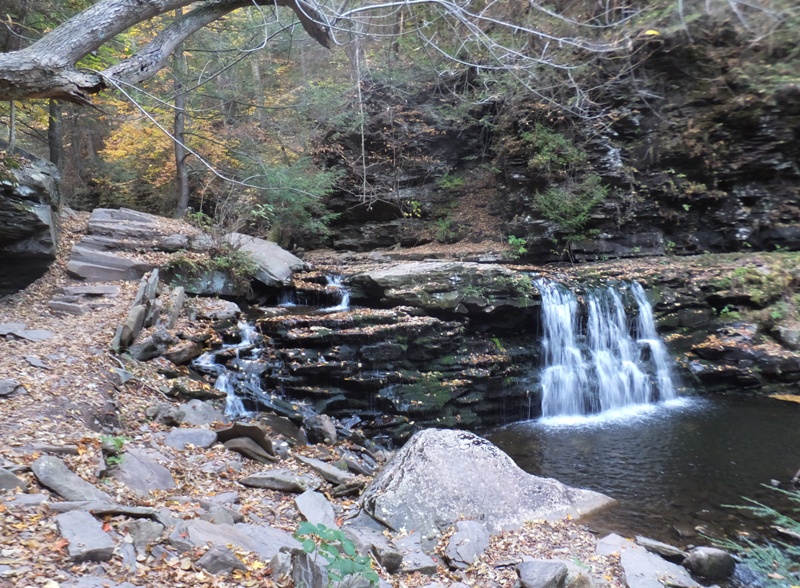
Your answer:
<point x="729" y="312"/>
<point x="448" y="182"/>
<point x="553" y="152"/>
<point x="445" y="230"/>
<point x="778" y="562"/>
<point x="686" y="207"/>
<point x="200" y="219"/>
<point x="499" y="344"/>
<point x="112" y="448"/>
<point x="413" y="209"/>
<point x="569" y="205"/>
<point x="237" y="264"/>
<point x="345" y="567"/>
<point x="518" y="244"/>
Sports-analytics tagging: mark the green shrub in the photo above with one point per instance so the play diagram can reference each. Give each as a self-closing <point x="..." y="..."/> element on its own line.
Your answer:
<point x="570" y="204"/>
<point x="345" y="566"/>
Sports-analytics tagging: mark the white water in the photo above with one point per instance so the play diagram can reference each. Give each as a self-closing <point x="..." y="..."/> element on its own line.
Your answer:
<point x="336" y="283"/>
<point x="600" y="367"/>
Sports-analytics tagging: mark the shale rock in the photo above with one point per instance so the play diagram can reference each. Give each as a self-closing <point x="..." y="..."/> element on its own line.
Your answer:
<point x="54" y="474"/>
<point x="87" y="540"/>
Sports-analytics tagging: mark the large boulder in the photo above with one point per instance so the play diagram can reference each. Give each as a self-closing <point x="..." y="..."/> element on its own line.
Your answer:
<point x="447" y="286"/>
<point x="461" y="475"/>
<point x="29" y="204"/>
<point x="275" y="264"/>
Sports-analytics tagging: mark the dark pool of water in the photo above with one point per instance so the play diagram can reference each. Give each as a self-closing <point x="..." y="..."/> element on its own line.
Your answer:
<point x="671" y="467"/>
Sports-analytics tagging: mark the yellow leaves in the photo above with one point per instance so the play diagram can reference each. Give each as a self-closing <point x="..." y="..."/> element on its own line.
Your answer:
<point x="651" y="33"/>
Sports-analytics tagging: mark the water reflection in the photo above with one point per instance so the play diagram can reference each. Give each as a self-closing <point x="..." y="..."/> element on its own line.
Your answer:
<point x="671" y="466"/>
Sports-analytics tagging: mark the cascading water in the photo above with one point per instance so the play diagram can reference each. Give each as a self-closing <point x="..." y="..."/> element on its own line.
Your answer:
<point x="336" y="283"/>
<point x="604" y="366"/>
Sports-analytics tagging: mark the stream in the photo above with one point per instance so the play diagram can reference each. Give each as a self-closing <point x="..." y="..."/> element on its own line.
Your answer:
<point x="671" y="466"/>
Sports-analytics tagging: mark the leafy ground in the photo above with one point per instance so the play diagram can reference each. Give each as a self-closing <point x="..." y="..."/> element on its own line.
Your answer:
<point x="77" y="397"/>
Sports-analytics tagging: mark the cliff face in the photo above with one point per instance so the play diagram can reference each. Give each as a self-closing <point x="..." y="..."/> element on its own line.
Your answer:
<point x="29" y="204"/>
<point x="696" y="150"/>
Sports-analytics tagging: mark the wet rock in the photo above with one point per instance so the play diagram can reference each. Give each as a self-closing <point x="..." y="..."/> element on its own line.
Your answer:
<point x="463" y="475"/>
<point x="250" y="449"/>
<point x="468" y="542"/>
<point x="9" y="481"/>
<point x="282" y="480"/>
<point x="54" y="474"/>
<point x="142" y="474"/>
<point x="152" y="346"/>
<point x="541" y="573"/>
<point x="665" y="550"/>
<point x="642" y="569"/>
<point x="180" y="438"/>
<point x="613" y="544"/>
<point x="320" y="429"/>
<point x="184" y="352"/>
<point x="710" y="563"/>
<point x="220" y="560"/>
<point x="316" y="509"/>
<point x="331" y="473"/>
<point x="87" y="541"/>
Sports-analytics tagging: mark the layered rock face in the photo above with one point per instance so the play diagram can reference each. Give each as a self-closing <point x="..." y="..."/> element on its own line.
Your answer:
<point x="29" y="205"/>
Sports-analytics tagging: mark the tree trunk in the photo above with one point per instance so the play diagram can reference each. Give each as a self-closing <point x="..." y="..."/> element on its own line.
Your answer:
<point x="55" y="134"/>
<point x="179" y="130"/>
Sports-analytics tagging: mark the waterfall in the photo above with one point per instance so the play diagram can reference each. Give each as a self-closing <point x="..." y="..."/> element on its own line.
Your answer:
<point x="336" y="283"/>
<point x="605" y="364"/>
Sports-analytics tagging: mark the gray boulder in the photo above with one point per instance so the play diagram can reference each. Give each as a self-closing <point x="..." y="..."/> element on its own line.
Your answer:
<point x="220" y="560"/>
<point x="710" y="563"/>
<point x="330" y="472"/>
<point x="320" y="429"/>
<point x="197" y="412"/>
<point x="98" y="266"/>
<point x="55" y="475"/>
<point x="275" y="264"/>
<point x="10" y="387"/>
<point x="461" y="475"/>
<point x="250" y="449"/>
<point x="541" y="573"/>
<point x="29" y="204"/>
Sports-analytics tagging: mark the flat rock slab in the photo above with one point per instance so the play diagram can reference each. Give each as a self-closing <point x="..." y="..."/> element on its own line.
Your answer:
<point x="665" y="550"/>
<point x="642" y="569"/>
<point x="330" y="472"/>
<point x="55" y="475"/>
<point x="97" y="266"/>
<point x="282" y="480"/>
<point x="100" y="509"/>
<point x="142" y="474"/>
<point x="441" y="476"/>
<point x="87" y="541"/>
<point x="180" y="438"/>
<point x="263" y="540"/>
<point x="95" y="582"/>
<point x="316" y="509"/>
<point x="414" y="559"/>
